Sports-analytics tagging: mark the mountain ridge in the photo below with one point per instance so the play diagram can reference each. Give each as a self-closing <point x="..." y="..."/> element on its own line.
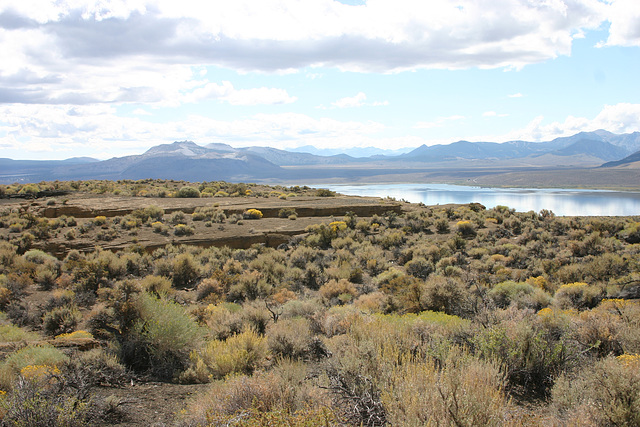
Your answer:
<point x="187" y="160"/>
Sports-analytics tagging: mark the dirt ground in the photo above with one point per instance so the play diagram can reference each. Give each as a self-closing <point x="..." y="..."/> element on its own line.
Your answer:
<point x="149" y="404"/>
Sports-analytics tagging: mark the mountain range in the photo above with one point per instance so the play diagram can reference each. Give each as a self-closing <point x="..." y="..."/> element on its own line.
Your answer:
<point x="186" y="160"/>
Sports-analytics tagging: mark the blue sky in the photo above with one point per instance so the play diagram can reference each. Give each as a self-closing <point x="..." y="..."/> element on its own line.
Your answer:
<point x="113" y="77"/>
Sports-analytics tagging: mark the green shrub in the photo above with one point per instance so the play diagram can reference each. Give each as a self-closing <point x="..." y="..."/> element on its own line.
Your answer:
<point x="325" y="192"/>
<point x="183" y="230"/>
<point x="532" y="355"/>
<point x="167" y="333"/>
<point x="188" y="192"/>
<point x="11" y="333"/>
<point x="338" y="292"/>
<point x="466" y="228"/>
<point x="445" y="294"/>
<point x="442" y="226"/>
<point x="280" y="397"/>
<point x="32" y="355"/>
<point x="286" y="212"/>
<point x="185" y="271"/>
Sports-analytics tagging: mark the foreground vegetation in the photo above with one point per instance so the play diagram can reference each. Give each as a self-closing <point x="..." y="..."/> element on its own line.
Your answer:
<point x="448" y="315"/>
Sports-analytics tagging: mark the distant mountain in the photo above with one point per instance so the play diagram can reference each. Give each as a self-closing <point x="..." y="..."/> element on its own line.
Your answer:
<point x="187" y="160"/>
<point x="357" y="152"/>
<point x="182" y="160"/>
<point x="600" y="144"/>
<point x="35" y="170"/>
<point x="599" y="149"/>
<point x="287" y="158"/>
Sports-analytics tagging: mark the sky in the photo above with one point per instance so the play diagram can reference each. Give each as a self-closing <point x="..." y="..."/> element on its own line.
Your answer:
<point x="108" y="78"/>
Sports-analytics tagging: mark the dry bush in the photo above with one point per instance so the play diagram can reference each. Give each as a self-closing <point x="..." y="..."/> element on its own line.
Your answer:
<point x="604" y="393"/>
<point x="290" y="338"/>
<point x="578" y="295"/>
<point x="338" y="292"/>
<point x="156" y="285"/>
<point x="282" y="396"/>
<point x="61" y="320"/>
<point x="186" y="271"/>
<point x="238" y="354"/>
<point x="464" y="391"/>
<point x="445" y="294"/>
<point x="531" y="353"/>
<point x="249" y="286"/>
<point x="523" y="294"/>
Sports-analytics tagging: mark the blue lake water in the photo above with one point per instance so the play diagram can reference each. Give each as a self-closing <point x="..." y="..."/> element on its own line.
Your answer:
<point x="564" y="202"/>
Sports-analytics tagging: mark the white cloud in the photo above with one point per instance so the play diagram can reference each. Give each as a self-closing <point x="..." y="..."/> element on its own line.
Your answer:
<point x="226" y="92"/>
<point x="624" y="16"/>
<point x="515" y="95"/>
<point x="84" y="129"/>
<point x="354" y="101"/>
<point x="619" y="118"/>
<point x="272" y="35"/>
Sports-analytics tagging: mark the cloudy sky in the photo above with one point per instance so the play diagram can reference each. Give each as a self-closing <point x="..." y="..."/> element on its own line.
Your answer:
<point x="107" y="78"/>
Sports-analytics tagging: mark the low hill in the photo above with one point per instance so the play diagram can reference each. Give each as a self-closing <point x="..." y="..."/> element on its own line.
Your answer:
<point x="629" y="161"/>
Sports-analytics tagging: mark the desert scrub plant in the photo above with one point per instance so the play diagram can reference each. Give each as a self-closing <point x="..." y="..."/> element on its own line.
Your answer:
<point x="183" y="230"/>
<point x="604" y="393"/>
<point x="466" y="228"/>
<point x="338" y="292"/>
<point x="522" y="294"/>
<point x="442" y="226"/>
<point x="160" y="228"/>
<point x="282" y="396"/>
<point x="166" y="333"/>
<point x="12" y="333"/>
<point x="463" y="391"/>
<point x="44" y="402"/>
<point x="150" y="212"/>
<point x="35" y="355"/>
<point x="249" y="286"/>
<point x="533" y="355"/>
<point x="188" y="192"/>
<point x="239" y="354"/>
<point x="61" y="320"/>
<point x="252" y="214"/>
<point x="286" y="212"/>
<point x="156" y="285"/>
<point x="578" y="295"/>
<point x="100" y="220"/>
<point x="290" y="338"/>
<point x="325" y="192"/>
<point x="185" y="271"/>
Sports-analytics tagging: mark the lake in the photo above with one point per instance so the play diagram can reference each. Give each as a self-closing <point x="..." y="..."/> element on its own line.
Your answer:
<point x="563" y="202"/>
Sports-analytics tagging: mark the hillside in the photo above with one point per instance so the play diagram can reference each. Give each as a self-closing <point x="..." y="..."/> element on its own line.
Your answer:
<point x="186" y="160"/>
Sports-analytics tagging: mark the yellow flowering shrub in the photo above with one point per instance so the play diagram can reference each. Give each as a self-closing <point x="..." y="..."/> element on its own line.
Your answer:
<point x="631" y="360"/>
<point x="252" y="214"/>
<point x="38" y="372"/>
